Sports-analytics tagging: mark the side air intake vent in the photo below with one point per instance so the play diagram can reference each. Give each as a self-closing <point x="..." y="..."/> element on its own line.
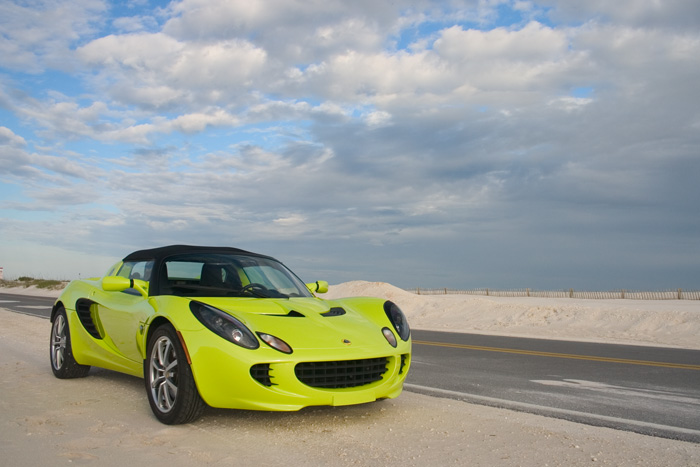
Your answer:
<point x="83" y="308"/>
<point x="261" y="374"/>
<point x="404" y="360"/>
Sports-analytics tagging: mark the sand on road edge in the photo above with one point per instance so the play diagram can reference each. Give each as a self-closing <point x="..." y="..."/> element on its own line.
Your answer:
<point x="105" y="419"/>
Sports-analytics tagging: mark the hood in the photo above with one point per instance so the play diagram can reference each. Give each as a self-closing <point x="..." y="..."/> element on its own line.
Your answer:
<point x="311" y="323"/>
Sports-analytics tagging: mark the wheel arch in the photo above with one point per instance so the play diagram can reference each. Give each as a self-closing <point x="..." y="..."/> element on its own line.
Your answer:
<point x="157" y="322"/>
<point x="54" y="310"/>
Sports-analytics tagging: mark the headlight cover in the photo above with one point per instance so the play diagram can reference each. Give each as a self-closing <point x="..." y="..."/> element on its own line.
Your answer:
<point x="398" y="319"/>
<point x="224" y="325"/>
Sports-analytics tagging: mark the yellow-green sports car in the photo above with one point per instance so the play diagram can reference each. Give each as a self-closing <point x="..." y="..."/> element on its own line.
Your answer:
<point x="231" y="329"/>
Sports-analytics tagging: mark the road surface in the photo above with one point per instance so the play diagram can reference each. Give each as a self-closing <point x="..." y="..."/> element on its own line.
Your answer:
<point x="649" y="390"/>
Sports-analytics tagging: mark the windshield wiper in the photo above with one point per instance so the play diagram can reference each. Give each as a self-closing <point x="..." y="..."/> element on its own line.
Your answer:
<point x="268" y="293"/>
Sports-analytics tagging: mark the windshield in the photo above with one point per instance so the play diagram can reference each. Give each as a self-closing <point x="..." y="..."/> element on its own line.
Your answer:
<point x="222" y="275"/>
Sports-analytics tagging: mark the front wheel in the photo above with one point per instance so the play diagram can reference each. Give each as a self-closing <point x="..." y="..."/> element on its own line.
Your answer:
<point x="63" y="363"/>
<point x="170" y="386"/>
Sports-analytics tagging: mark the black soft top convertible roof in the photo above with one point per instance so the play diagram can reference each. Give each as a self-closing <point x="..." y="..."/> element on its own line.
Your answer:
<point x="167" y="251"/>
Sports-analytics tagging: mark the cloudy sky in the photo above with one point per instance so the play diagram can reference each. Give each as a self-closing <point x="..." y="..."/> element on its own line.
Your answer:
<point x="486" y="143"/>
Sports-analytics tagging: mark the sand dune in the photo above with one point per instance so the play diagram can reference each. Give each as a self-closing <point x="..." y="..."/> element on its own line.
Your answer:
<point x="674" y="323"/>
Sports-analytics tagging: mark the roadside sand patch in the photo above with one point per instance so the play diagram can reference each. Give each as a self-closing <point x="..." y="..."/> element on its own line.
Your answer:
<point x="104" y="419"/>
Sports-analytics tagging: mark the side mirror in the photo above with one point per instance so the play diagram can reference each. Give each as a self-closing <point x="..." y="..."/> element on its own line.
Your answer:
<point x="120" y="284"/>
<point x="318" y="287"/>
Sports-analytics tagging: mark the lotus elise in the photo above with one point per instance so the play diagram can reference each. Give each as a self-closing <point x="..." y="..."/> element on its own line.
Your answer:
<point x="228" y="328"/>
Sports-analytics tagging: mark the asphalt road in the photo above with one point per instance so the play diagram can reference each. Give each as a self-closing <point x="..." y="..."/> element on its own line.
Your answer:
<point x="649" y="390"/>
<point x="28" y="305"/>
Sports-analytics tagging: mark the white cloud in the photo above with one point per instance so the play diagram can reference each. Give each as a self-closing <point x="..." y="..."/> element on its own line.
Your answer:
<point x="39" y="34"/>
<point x="533" y="43"/>
<point x="38" y="169"/>
<point x="378" y="118"/>
<point x="195" y="123"/>
<point x="291" y="31"/>
<point x="673" y="14"/>
<point x="570" y="103"/>
<point x="135" y="24"/>
<point x="364" y="130"/>
<point x="156" y="71"/>
<point x="290" y="221"/>
<point x="8" y="137"/>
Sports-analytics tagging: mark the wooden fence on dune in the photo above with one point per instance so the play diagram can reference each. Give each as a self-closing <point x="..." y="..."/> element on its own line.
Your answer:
<point x="676" y="294"/>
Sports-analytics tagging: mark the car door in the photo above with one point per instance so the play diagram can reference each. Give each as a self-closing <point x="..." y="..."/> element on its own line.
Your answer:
<point x="122" y="314"/>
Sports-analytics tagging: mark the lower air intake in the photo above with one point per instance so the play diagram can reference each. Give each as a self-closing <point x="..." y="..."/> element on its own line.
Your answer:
<point x="342" y="374"/>
<point x="261" y="374"/>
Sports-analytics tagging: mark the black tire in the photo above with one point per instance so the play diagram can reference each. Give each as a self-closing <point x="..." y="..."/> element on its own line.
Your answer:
<point x="172" y="392"/>
<point x="63" y="363"/>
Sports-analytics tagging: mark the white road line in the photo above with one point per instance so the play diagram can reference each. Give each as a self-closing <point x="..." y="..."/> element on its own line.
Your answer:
<point x="621" y="390"/>
<point x="35" y="307"/>
<point x="525" y="407"/>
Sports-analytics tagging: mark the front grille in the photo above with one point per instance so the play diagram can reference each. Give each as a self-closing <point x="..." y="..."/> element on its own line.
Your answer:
<point x="342" y="374"/>
<point x="261" y="374"/>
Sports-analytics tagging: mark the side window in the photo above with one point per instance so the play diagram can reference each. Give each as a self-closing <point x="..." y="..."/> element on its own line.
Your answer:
<point x="113" y="270"/>
<point x="136" y="270"/>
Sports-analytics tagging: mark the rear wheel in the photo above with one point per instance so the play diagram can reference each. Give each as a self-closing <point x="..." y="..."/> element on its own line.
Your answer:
<point x="63" y="363"/>
<point x="170" y="386"/>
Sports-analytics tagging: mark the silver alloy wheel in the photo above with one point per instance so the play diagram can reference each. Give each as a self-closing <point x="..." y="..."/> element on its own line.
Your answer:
<point x="58" y="342"/>
<point x="163" y="375"/>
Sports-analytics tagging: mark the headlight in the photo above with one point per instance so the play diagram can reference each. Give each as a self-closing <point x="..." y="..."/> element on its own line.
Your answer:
<point x="224" y="325"/>
<point x="398" y="319"/>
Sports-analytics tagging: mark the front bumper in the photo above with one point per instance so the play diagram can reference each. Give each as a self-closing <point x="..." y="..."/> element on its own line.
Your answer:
<point x="222" y="372"/>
